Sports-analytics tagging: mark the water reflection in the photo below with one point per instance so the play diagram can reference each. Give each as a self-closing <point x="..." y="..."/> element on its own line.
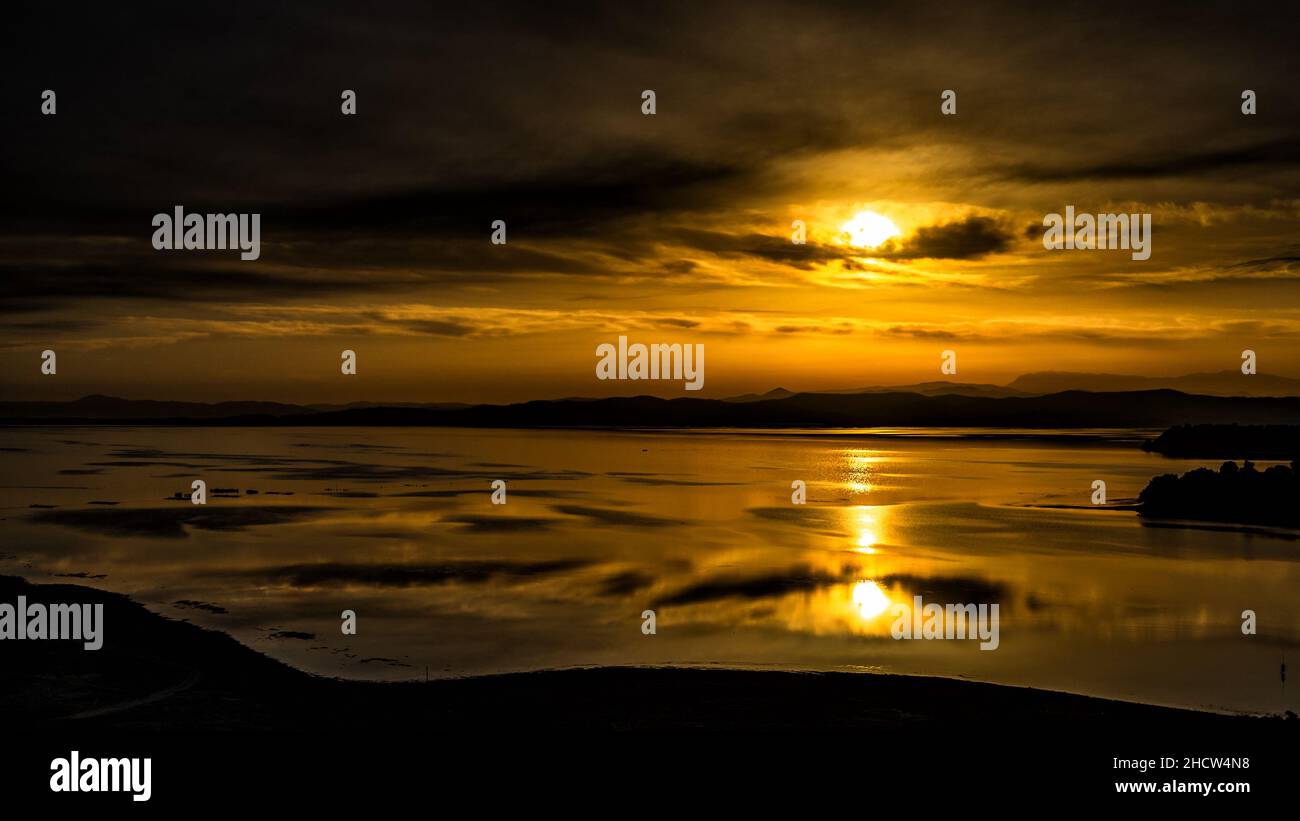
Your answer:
<point x="869" y="600"/>
<point x="859" y="469"/>
<point x="397" y="524"/>
<point x="864" y="525"/>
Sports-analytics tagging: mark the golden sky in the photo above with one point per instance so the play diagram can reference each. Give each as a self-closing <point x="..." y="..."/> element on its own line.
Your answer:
<point x="668" y="228"/>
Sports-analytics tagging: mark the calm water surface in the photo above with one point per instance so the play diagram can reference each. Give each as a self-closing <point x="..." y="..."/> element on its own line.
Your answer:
<point x="397" y="525"/>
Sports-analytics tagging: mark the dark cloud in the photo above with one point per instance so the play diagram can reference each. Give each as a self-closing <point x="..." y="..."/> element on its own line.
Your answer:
<point x="771" y="248"/>
<point x="969" y="238"/>
<point x="1285" y="262"/>
<point x="912" y="332"/>
<point x="833" y="330"/>
<point x="36" y="286"/>
<point x="435" y="327"/>
<point x="1162" y="163"/>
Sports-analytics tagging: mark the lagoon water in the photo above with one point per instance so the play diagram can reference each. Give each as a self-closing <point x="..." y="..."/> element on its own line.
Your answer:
<point x="397" y="525"/>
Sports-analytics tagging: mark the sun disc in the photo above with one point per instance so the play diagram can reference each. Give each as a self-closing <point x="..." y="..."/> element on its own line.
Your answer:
<point x="868" y="229"/>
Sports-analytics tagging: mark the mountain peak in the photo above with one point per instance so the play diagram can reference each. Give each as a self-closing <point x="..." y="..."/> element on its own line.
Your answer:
<point x="1220" y="383"/>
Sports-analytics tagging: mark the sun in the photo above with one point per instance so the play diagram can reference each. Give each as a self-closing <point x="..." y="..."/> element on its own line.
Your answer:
<point x="868" y="229"/>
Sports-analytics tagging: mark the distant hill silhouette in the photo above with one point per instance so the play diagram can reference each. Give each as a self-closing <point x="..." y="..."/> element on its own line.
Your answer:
<point x="97" y="406"/>
<point x="107" y="408"/>
<point x="352" y="405"/>
<point x="1243" y="495"/>
<point x="775" y="393"/>
<point x="937" y="388"/>
<point x="1070" y="409"/>
<point x="1222" y="383"/>
<point x="1228" y="442"/>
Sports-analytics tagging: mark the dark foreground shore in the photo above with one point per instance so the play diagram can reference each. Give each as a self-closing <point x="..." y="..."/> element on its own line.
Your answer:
<point x="155" y="673"/>
<point x="211" y="708"/>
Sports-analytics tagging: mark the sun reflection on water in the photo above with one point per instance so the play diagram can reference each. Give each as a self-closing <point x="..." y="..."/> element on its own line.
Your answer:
<point x="865" y="528"/>
<point x="869" y="600"/>
<point x="858" y="471"/>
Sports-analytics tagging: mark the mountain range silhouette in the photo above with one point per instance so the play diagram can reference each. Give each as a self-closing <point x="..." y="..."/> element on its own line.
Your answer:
<point x="868" y="408"/>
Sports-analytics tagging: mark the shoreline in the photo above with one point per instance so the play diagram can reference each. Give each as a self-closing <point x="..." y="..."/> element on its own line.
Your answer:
<point x="158" y="674"/>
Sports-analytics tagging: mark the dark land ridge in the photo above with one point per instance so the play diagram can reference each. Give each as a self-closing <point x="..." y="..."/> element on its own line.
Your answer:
<point x="160" y="675"/>
<point x="1244" y="495"/>
<point x="1068" y="409"/>
<point x="1273" y="442"/>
